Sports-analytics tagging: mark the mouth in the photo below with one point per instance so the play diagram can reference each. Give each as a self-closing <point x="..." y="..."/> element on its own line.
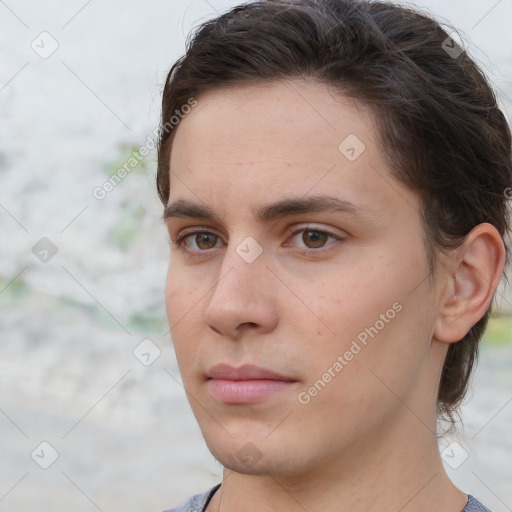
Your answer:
<point x="245" y="384"/>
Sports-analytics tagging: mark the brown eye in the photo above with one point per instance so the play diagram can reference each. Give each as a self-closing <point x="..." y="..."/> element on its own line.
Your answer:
<point x="199" y="241"/>
<point x="205" y="240"/>
<point x="310" y="239"/>
<point x="314" y="239"/>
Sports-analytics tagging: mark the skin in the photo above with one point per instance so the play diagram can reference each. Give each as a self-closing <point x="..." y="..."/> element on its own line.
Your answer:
<point x="367" y="440"/>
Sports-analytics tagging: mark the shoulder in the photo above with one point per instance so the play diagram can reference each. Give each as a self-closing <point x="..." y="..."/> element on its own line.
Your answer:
<point x="473" y="505"/>
<point x="197" y="503"/>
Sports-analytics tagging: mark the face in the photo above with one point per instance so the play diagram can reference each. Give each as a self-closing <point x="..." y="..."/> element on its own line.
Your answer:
<point x="297" y="295"/>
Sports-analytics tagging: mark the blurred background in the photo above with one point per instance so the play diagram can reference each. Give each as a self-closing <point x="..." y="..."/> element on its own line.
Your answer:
<point x="92" y="412"/>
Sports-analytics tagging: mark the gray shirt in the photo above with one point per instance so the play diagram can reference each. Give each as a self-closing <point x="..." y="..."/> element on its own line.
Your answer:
<point x="199" y="502"/>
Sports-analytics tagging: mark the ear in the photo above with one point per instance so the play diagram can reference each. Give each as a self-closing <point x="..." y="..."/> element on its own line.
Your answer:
<point x="474" y="276"/>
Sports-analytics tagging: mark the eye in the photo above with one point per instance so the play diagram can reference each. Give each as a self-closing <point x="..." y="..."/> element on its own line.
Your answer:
<point x="314" y="239"/>
<point x="311" y="238"/>
<point x="305" y="239"/>
<point x="199" y="241"/>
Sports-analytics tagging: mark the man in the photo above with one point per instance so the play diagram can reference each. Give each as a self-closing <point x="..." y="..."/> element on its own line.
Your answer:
<point x="335" y="197"/>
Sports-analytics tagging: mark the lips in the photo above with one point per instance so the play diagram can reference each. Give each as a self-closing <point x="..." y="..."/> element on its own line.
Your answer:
<point x="246" y="384"/>
<point x="246" y="372"/>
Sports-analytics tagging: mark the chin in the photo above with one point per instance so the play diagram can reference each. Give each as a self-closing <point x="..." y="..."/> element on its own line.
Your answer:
<point x="245" y="466"/>
<point x="256" y="457"/>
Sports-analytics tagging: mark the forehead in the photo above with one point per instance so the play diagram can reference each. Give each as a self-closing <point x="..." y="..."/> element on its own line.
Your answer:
<point x="253" y="144"/>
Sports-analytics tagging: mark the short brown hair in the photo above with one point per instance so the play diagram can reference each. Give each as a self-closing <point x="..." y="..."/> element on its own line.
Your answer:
<point x="440" y="127"/>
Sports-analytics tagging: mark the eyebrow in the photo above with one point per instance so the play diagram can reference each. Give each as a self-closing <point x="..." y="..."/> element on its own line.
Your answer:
<point x="182" y="208"/>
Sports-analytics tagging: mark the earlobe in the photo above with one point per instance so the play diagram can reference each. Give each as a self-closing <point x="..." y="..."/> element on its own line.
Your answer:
<point x="477" y="270"/>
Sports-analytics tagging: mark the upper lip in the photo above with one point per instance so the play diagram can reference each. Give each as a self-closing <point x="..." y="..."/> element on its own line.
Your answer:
<point x="245" y="372"/>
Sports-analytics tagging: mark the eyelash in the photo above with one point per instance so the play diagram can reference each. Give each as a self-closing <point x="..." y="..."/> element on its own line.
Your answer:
<point x="180" y="241"/>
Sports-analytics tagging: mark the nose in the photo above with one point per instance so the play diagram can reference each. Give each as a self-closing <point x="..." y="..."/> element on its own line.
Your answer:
<point x="243" y="299"/>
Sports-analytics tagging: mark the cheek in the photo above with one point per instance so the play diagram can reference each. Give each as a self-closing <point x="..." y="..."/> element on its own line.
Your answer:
<point x="184" y="316"/>
<point x="349" y="304"/>
<point x="181" y="294"/>
<point x="172" y="293"/>
<point x="372" y="325"/>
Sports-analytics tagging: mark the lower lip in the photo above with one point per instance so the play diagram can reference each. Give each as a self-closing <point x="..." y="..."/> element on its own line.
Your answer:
<point x="245" y="391"/>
